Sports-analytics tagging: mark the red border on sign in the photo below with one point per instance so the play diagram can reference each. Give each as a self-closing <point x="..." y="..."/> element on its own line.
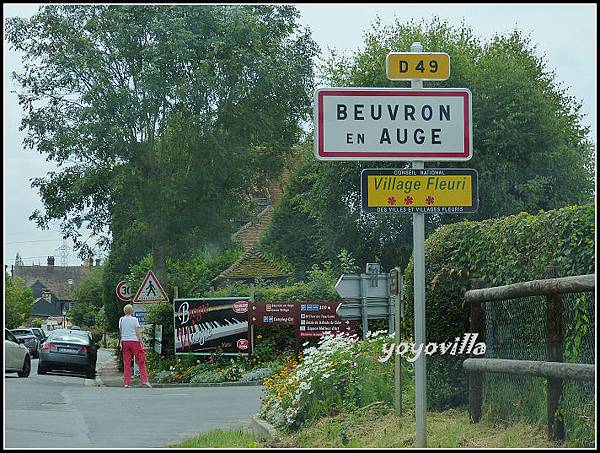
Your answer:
<point x="121" y="283"/>
<point x="465" y="154"/>
<point x="165" y="298"/>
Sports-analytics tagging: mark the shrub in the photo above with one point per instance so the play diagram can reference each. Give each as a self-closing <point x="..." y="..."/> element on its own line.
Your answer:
<point x="499" y="251"/>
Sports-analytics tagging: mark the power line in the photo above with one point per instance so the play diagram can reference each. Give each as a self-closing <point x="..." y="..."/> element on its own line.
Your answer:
<point x="28" y="257"/>
<point x="40" y="240"/>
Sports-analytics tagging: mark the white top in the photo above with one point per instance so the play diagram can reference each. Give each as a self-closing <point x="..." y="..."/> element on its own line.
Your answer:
<point x="127" y="325"/>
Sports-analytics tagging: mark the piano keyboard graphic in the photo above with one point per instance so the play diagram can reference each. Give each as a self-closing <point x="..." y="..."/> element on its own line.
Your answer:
<point x="211" y="330"/>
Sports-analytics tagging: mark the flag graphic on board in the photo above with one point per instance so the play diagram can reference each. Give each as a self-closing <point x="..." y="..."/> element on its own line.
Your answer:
<point x="150" y="290"/>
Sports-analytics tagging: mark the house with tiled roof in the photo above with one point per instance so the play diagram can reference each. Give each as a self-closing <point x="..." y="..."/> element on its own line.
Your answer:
<point x="53" y="286"/>
<point x="253" y="264"/>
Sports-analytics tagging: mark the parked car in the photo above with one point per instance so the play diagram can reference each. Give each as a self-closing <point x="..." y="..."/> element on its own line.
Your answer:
<point x="71" y="350"/>
<point x="39" y="333"/>
<point x="16" y="355"/>
<point x="29" y="339"/>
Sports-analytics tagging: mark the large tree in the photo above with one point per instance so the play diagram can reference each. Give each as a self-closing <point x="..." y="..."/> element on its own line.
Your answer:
<point x="530" y="149"/>
<point x="161" y="118"/>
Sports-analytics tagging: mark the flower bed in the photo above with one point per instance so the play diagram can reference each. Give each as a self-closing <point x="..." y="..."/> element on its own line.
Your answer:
<point x="341" y="373"/>
<point x="195" y="370"/>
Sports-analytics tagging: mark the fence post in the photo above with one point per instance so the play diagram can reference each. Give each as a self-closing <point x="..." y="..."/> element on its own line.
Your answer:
<point x="554" y="353"/>
<point x="476" y="379"/>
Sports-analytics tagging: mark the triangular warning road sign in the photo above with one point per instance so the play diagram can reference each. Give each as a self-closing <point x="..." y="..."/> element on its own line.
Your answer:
<point x="150" y="290"/>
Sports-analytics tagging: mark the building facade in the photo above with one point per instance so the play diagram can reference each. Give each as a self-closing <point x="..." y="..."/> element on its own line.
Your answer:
<point x="53" y="286"/>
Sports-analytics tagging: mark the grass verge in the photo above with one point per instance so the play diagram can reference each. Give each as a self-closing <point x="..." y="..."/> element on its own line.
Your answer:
<point x="377" y="427"/>
<point x="221" y="439"/>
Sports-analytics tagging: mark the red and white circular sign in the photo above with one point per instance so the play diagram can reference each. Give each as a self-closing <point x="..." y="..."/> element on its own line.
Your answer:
<point x="241" y="306"/>
<point x="124" y="291"/>
<point x="243" y="344"/>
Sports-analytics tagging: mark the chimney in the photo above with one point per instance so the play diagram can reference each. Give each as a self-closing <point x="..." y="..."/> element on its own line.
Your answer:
<point x="50" y="261"/>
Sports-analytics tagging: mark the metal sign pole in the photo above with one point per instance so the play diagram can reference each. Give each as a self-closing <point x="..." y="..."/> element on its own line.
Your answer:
<point x="397" y="338"/>
<point x="363" y="296"/>
<point x="250" y="303"/>
<point x="419" y="300"/>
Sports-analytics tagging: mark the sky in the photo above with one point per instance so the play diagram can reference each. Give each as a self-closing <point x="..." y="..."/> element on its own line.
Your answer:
<point x="564" y="35"/>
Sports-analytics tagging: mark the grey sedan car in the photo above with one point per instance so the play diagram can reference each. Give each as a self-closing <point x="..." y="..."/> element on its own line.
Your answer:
<point x="71" y="350"/>
<point x="29" y="339"/>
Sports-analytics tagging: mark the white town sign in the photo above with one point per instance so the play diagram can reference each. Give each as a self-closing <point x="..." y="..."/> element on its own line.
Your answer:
<point x="431" y="124"/>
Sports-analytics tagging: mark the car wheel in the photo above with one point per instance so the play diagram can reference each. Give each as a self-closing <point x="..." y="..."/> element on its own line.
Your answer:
<point x="26" y="367"/>
<point x="91" y="372"/>
<point x="42" y="369"/>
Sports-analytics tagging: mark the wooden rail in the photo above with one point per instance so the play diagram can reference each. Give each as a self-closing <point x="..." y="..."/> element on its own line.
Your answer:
<point x="553" y="369"/>
<point x="571" y="371"/>
<point x="563" y="285"/>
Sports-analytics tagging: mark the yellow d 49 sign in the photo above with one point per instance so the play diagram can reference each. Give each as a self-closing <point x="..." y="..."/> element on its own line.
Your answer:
<point x="415" y="65"/>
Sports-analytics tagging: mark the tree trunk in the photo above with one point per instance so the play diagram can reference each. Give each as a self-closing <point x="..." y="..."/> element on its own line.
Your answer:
<point x="159" y="266"/>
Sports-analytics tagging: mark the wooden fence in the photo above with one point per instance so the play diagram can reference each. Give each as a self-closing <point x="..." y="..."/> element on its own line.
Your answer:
<point x="553" y="368"/>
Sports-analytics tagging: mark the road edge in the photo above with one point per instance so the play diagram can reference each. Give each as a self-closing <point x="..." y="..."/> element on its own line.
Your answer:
<point x="262" y="428"/>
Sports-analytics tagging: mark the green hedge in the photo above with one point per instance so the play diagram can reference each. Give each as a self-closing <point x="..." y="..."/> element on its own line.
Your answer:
<point x="499" y="251"/>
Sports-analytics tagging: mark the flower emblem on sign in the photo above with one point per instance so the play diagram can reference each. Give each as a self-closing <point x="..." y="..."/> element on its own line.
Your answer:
<point x="429" y="200"/>
<point x="391" y="200"/>
<point x="408" y="200"/>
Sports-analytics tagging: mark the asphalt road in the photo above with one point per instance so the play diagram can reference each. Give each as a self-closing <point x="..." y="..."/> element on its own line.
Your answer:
<point x="68" y="411"/>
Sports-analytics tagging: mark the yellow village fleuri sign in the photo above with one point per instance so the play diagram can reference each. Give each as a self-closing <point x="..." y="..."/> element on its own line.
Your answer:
<point x="430" y="190"/>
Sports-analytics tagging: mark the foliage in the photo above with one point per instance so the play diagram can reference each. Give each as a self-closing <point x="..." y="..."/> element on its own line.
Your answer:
<point x="162" y="313"/>
<point x="90" y="288"/>
<point x="129" y="246"/>
<point x="143" y="106"/>
<point x="36" y="323"/>
<point x="18" y="301"/>
<point x="188" y="368"/>
<point x="83" y="314"/>
<point x="503" y="251"/>
<point x="192" y="275"/>
<point x="530" y="149"/>
<point x="88" y="298"/>
<point x="341" y="373"/>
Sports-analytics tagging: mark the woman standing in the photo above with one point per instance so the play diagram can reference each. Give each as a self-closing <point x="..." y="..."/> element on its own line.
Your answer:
<point x="132" y="345"/>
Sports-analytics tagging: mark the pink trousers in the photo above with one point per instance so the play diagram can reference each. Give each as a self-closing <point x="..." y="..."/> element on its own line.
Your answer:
<point x="134" y="349"/>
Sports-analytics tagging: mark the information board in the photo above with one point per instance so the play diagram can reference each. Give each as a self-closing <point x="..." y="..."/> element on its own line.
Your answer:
<point x="208" y="325"/>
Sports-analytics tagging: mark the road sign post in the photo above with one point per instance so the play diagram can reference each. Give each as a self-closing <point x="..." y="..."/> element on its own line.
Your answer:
<point x="419" y="301"/>
<point x="395" y="124"/>
<point x="396" y="290"/>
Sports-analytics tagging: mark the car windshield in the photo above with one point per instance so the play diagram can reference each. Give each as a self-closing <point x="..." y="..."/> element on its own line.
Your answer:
<point x="22" y="333"/>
